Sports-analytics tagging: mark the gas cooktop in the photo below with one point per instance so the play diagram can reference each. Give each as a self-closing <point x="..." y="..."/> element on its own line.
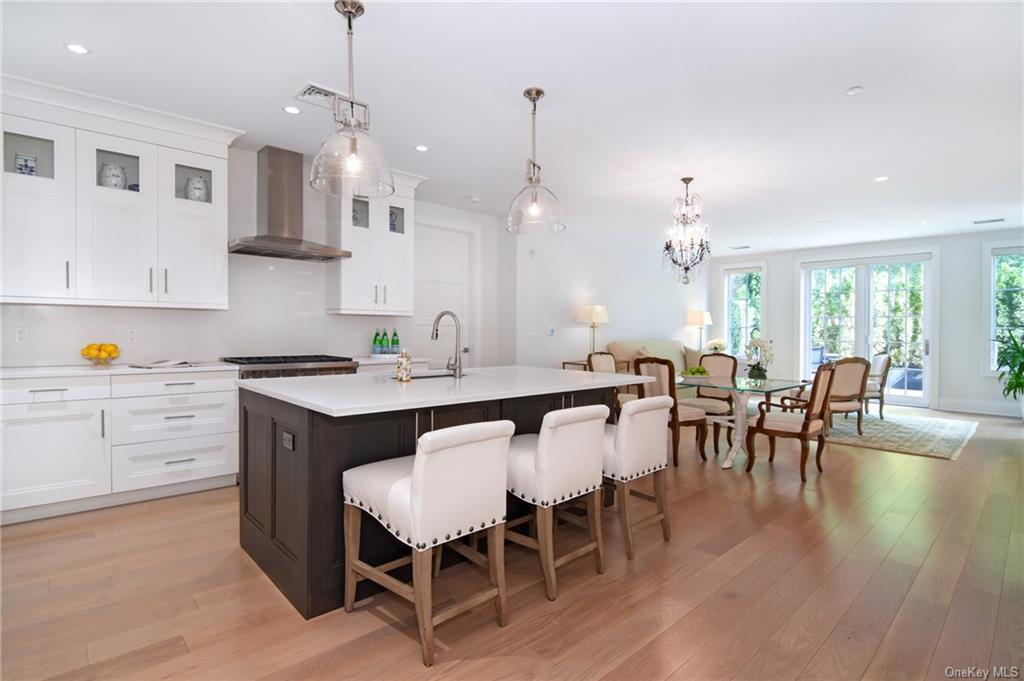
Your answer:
<point x="286" y="359"/>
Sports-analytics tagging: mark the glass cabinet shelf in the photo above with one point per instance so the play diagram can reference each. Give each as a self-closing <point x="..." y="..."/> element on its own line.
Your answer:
<point x="115" y="170"/>
<point x="361" y="213"/>
<point x="26" y="155"/>
<point x="396" y="219"/>
<point x="193" y="184"/>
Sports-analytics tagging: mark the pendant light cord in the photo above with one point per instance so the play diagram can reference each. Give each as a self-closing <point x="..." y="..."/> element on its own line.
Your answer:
<point x="533" y="134"/>
<point x="351" y="62"/>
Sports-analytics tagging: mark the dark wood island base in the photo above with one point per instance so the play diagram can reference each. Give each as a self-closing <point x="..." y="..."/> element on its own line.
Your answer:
<point x="291" y="461"/>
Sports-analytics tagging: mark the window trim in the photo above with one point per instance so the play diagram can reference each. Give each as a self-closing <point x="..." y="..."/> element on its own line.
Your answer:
<point x="759" y="266"/>
<point x="988" y="257"/>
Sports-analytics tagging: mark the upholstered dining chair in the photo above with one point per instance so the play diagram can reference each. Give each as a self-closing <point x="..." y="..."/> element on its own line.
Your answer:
<point x="878" y="376"/>
<point x="847" y="394"/>
<point x="604" y="362"/>
<point x="664" y="373"/>
<point x="714" y="400"/>
<point x="788" y="424"/>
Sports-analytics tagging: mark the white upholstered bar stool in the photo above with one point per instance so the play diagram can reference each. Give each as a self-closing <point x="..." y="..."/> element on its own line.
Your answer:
<point x="556" y="466"/>
<point x="453" y="486"/>
<point x="633" y="449"/>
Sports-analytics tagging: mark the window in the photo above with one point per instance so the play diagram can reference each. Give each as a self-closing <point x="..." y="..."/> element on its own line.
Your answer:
<point x="743" y="309"/>
<point x="1007" y="298"/>
<point x="833" y="314"/>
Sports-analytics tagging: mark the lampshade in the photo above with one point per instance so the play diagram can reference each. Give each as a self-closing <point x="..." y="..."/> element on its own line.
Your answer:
<point x="535" y="210"/>
<point x="698" y="318"/>
<point x="350" y="161"/>
<point x="592" y="314"/>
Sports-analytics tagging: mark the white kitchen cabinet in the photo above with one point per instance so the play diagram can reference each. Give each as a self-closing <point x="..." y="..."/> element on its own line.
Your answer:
<point x="193" y="228"/>
<point x="117" y="226"/>
<point x="38" y="209"/>
<point x="55" y="451"/>
<point x="165" y="462"/>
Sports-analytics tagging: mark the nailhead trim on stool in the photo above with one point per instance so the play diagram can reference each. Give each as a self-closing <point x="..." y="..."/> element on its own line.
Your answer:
<point x="544" y="502"/>
<point x="352" y="501"/>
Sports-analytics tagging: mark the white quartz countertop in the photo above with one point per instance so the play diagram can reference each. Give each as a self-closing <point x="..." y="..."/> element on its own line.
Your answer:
<point x="371" y="361"/>
<point x="118" y="369"/>
<point x="352" y="394"/>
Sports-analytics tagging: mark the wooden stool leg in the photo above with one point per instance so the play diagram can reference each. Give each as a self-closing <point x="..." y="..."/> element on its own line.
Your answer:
<point x="353" y="521"/>
<point x="438" y="554"/>
<point x="594" y="523"/>
<point x="805" y="448"/>
<point x="496" y="566"/>
<point x="622" y="494"/>
<point x="661" y="501"/>
<point x="674" y="425"/>
<point x="546" y="542"/>
<point x="421" y="585"/>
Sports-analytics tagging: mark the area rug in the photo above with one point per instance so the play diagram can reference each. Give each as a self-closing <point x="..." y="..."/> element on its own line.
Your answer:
<point x="935" y="437"/>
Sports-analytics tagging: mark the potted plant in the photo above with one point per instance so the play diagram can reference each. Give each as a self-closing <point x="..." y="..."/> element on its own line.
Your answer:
<point x="759" y="354"/>
<point x="1010" y="364"/>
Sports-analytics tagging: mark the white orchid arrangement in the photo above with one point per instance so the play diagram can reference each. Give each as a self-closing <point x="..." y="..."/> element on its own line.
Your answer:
<point x="716" y="345"/>
<point x="760" y="352"/>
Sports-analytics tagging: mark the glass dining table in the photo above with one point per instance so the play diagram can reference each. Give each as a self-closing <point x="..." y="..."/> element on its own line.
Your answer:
<point x="741" y="389"/>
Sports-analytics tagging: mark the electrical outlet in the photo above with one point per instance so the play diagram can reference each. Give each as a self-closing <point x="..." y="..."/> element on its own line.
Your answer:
<point x="131" y="336"/>
<point x="21" y="335"/>
<point x="551" y="331"/>
<point x="358" y="336"/>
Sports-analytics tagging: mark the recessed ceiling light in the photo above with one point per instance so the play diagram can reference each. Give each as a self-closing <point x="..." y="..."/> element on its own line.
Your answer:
<point x="77" y="49"/>
<point x="822" y="222"/>
<point x="855" y="90"/>
<point x="422" y="147"/>
<point x="924" y="222"/>
<point x="293" y="110"/>
<point x="882" y="178"/>
<point x="768" y="240"/>
<point x="474" y="199"/>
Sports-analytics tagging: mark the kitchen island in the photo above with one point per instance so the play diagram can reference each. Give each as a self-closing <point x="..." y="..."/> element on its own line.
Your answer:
<point x="299" y="434"/>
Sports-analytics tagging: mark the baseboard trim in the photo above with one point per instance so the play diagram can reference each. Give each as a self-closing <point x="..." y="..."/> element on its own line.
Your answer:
<point x="986" y="407"/>
<point x="21" y="515"/>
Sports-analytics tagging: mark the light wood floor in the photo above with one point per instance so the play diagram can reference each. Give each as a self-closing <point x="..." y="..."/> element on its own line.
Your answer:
<point x="887" y="566"/>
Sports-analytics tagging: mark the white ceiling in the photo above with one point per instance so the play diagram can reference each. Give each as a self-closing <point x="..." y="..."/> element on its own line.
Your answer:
<point x="748" y="98"/>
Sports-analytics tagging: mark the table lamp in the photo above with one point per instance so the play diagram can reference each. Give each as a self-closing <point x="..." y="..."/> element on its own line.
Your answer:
<point x="593" y="315"/>
<point x="699" y="318"/>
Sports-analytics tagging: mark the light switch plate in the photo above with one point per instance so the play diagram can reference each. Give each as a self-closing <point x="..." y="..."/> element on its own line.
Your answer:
<point x="288" y="441"/>
<point x="21" y="335"/>
<point x="131" y="336"/>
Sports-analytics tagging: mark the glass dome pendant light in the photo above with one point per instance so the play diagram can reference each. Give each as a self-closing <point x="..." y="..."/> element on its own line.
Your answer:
<point x="535" y="209"/>
<point x="349" y="161"/>
<point x="688" y="245"/>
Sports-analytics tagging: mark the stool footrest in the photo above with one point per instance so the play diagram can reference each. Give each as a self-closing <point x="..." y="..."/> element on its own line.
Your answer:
<point x="573" y="555"/>
<point x="656" y="518"/>
<point x="522" y="539"/>
<point x="468" y="552"/>
<point x="462" y="606"/>
<point x="375" y="574"/>
<point x="642" y="495"/>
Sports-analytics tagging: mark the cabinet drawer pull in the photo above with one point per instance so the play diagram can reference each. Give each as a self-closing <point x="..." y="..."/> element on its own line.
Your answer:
<point x="67" y="274"/>
<point x="385" y="295"/>
<point x="150" y="279"/>
<point x="182" y="416"/>
<point x="180" y="383"/>
<point x="188" y="460"/>
<point x="375" y="294"/>
<point x="165" y="280"/>
<point x="48" y="390"/>
<point x="103" y="423"/>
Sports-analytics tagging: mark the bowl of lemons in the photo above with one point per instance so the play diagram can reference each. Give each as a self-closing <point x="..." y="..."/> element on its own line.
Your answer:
<point x="694" y="371"/>
<point x="100" y="354"/>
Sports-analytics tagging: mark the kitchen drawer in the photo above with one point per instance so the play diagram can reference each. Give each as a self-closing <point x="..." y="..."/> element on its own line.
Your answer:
<point x="173" y="383"/>
<point x="35" y="390"/>
<point x="145" y="419"/>
<point x="150" y="464"/>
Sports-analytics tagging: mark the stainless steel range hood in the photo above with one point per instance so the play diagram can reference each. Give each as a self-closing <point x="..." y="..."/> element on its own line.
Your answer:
<point x="279" y="184"/>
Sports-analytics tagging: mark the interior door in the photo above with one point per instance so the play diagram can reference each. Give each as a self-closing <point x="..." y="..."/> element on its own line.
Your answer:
<point x="442" y="283"/>
<point x="117" y="218"/>
<point x="38" y="209"/>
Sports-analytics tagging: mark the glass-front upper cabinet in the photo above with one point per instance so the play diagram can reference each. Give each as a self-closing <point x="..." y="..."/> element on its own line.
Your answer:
<point x="117" y="218"/>
<point x="193" y="228"/>
<point x="38" y="209"/>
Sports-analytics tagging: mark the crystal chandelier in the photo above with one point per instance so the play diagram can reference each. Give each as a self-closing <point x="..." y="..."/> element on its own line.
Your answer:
<point x="535" y="209"/>
<point x="687" y="246"/>
<point x="349" y="160"/>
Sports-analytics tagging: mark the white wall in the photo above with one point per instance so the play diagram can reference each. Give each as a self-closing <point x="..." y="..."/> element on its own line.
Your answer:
<point x="599" y="259"/>
<point x="958" y="338"/>
<point x="276" y="305"/>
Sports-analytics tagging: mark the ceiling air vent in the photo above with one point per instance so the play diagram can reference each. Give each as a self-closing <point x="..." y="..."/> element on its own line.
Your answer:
<point x="740" y="248"/>
<point x="990" y="221"/>
<point x="317" y="95"/>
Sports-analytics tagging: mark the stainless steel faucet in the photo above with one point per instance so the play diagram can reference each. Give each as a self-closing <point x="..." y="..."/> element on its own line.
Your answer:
<point x="454" y="363"/>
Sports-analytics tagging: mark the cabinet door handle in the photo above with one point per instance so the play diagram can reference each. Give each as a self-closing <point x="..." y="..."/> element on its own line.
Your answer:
<point x="375" y="294"/>
<point x="165" y="280"/>
<point x="67" y="274"/>
<point x="103" y="423"/>
<point x="385" y="294"/>
<point x="188" y="460"/>
<point x="48" y="390"/>
<point x="182" y="416"/>
<point x="180" y="383"/>
<point x="150" y="279"/>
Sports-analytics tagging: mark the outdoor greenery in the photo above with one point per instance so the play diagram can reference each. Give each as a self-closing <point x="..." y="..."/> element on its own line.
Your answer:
<point x="744" y="309"/>
<point x="833" y="310"/>
<point x="1010" y="361"/>
<point x="1007" y="296"/>
<point x="897" y="313"/>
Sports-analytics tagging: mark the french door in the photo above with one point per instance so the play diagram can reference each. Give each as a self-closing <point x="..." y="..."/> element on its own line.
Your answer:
<point x="870" y="306"/>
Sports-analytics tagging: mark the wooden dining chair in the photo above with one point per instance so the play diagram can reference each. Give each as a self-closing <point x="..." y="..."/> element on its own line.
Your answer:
<point x="788" y="424"/>
<point x="604" y="362"/>
<point x="715" y="401"/>
<point x="847" y="394"/>
<point x="664" y="373"/>
<point x="878" y="377"/>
